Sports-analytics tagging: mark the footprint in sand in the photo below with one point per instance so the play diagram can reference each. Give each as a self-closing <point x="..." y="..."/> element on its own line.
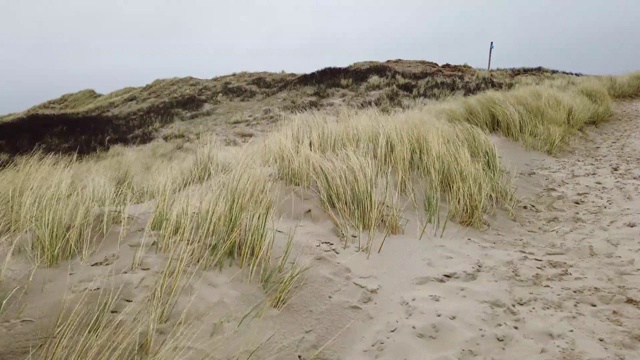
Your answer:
<point x="11" y="325"/>
<point x="91" y="285"/>
<point x="369" y="286"/>
<point x="369" y="283"/>
<point x="108" y="260"/>
<point x="464" y="276"/>
<point x="125" y="300"/>
<point x="408" y="306"/>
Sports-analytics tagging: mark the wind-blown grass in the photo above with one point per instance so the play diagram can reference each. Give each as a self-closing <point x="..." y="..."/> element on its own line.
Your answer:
<point x="344" y="158"/>
<point x="352" y="189"/>
<point x="623" y="87"/>
<point x="227" y="219"/>
<point x="60" y="212"/>
<point x="88" y="331"/>
<point x="87" y="328"/>
<point x="541" y="117"/>
<point x="230" y="219"/>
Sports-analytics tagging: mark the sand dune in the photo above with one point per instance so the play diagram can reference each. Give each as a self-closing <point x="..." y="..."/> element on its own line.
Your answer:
<point x="559" y="281"/>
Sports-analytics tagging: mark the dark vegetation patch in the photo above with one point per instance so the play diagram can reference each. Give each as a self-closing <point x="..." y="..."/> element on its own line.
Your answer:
<point x="86" y="132"/>
<point x="359" y="73"/>
<point x="331" y="77"/>
<point x="69" y="133"/>
<point x="536" y="71"/>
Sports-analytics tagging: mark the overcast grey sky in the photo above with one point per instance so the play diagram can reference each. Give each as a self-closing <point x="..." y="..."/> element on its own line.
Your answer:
<point x="48" y="48"/>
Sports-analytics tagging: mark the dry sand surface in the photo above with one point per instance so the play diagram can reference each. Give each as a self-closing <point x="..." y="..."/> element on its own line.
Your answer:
<point x="561" y="281"/>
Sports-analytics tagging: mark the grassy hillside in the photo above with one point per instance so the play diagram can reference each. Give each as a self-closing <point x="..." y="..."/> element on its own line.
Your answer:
<point x="212" y="207"/>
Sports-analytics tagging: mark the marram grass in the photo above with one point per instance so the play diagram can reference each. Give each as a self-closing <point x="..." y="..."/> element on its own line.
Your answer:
<point x="207" y="214"/>
<point x="353" y="160"/>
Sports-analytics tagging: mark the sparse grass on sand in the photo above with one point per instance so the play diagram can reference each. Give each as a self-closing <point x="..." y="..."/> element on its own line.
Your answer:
<point x="365" y="167"/>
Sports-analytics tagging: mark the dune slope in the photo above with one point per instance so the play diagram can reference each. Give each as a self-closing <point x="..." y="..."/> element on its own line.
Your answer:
<point x="558" y="281"/>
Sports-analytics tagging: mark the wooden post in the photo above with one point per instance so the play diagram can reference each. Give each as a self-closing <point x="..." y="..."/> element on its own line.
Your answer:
<point x="490" y="51"/>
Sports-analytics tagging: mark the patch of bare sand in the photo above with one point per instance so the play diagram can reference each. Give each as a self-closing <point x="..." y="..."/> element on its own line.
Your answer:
<point x="561" y="281"/>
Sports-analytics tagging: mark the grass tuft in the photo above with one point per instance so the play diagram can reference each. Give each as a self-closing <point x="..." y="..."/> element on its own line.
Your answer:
<point x="60" y="212"/>
<point x="542" y="117"/>
<point x="359" y="159"/>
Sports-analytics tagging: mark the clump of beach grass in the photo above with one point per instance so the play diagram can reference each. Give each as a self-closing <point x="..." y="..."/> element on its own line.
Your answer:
<point x="355" y="160"/>
<point x="542" y="117"/>
<point x="60" y="213"/>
